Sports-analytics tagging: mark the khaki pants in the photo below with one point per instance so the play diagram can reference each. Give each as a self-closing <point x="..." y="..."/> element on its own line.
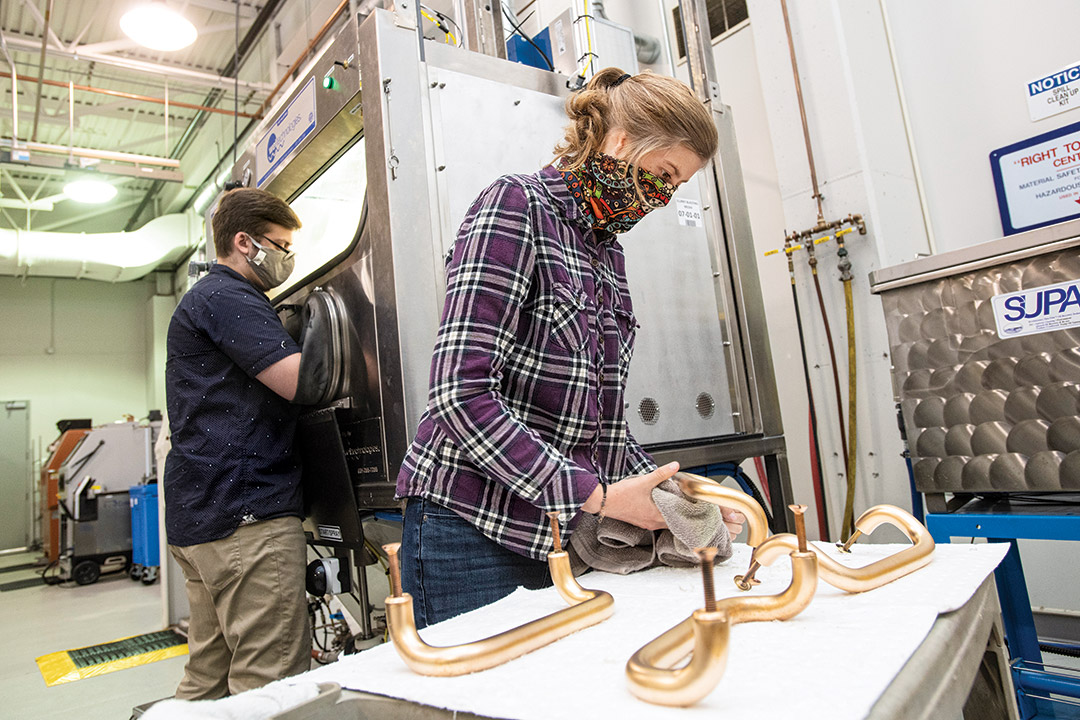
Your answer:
<point x="249" y="621"/>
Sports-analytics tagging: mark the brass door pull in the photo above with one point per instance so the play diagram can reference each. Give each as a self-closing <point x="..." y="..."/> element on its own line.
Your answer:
<point x="855" y="580"/>
<point x="705" y="634"/>
<point x="706" y="490"/>
<point x="587" y="607"/>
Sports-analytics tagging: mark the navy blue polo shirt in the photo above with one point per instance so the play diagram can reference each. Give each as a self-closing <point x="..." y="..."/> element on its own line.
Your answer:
<point x="232" y="456"/>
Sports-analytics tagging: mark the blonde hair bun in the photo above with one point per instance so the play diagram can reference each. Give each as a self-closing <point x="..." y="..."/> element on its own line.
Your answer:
<point x="656" y="112"/>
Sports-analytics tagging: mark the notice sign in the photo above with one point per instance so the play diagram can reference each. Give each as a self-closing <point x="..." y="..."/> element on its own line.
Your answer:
<point x="1038" y="180"/>
<point x="1038" y="310"/>
<point x="1054" y="93"/>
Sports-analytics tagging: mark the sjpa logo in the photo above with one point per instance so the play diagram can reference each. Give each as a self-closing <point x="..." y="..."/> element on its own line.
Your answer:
<point x="271" y="147"/>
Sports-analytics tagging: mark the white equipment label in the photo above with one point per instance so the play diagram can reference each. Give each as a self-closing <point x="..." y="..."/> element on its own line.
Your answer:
<point x="1054" y="93"/>
<point x="560" y="38"/>
<point x="1038" y="310"/>
<point x="329" y="532"/>
<point x="689" y="212"/>
<point x="294" y="124"/>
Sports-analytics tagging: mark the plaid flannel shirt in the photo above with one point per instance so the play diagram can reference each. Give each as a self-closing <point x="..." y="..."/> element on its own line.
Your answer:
<point x="526" y="411"/>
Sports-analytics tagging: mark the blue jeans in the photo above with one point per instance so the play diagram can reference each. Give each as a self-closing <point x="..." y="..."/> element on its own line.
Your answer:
<point x="449" y="567"/>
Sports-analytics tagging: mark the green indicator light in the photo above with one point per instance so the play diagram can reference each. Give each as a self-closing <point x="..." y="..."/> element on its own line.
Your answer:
<point x="330" y="83"/>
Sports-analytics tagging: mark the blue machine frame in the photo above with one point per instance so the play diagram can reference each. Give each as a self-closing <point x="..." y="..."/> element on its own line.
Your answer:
<point x="982" y="519"/>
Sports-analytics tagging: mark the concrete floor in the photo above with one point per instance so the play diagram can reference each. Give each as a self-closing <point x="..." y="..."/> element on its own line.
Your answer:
<point x="44" y="619"/>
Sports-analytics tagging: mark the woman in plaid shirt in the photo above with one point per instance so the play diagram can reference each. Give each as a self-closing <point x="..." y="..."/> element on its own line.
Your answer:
<point x="526" y="412"/>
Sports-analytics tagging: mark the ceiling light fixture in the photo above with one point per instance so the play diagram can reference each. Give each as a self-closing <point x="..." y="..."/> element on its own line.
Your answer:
<point x="90" y="191"/>
<point x="155" y="26"/>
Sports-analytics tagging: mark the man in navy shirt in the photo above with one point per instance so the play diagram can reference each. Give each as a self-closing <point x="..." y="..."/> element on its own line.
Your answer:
<point x="232" y="478"/>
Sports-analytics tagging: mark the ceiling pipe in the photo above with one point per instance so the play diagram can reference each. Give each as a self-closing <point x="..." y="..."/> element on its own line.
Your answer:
<point x="94" y="154"/>
<point x="109" y="257"/>
<point x="129" y="96"/>
<point x="250" y="37"/>
<point x="192" y="76"/>
<point x="41" y="67"/>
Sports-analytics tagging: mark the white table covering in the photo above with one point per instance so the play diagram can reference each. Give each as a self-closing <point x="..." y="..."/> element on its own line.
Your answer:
<point x="832" y="661"/>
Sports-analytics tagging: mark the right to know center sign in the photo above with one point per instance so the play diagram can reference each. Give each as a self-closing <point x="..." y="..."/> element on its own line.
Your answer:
<point x="1038" y="180"/>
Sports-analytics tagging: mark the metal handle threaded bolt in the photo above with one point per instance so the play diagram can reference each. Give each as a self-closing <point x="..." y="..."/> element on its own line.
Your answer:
<point x="395" y="571"/>
<point x="553" y="517"/>
<point x="706" y="555"/>
<point x="800" y="525"/>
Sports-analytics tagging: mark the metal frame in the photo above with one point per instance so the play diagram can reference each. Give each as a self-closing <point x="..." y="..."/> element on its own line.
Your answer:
<point x="978" y="256"/>
<point x="983" y="519"/>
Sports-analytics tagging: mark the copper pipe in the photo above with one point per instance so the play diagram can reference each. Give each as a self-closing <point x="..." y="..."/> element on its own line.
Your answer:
<point x="303" y="56"/>
<point x="394" y="567"/>
<point x="701" y="488"/>
<point x="705" y="634"/>
<point x="868" y="577"/>
<point x="802" y="111"/>
<point x="130" y="96"/>
<point x="587" y="607"/>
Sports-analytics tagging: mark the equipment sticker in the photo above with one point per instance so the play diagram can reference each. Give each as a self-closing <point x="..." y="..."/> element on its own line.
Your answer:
<point x="329" y="532"/>
<point x="294" y="124"/>
<point x="1038" y="310"/>
<point x="689" y="212"/>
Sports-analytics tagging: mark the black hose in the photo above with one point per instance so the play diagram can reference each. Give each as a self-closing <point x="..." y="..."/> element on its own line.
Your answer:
<point x="845" y="532"/>
<point x="1060" y="650"/>
<point x="822" y="505"/>
<point x="526" y="38"/>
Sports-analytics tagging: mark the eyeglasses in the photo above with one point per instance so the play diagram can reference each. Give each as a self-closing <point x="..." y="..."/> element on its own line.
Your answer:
<point x="271" y="241"/>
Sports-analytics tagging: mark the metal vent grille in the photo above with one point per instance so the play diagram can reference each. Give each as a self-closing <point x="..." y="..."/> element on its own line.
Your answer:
<point x="706" y="406"/>
<point x="649" y="411"/>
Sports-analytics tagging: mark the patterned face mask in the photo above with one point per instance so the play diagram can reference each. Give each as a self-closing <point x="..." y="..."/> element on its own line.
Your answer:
<point x="604" y="188"/>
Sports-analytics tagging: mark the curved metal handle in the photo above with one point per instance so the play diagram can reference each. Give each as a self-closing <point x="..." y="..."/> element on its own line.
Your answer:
<point x="705" y="634"/>
<point x="868" y="577"/>
<point x="706" y="490"/>
<point x="587" y="607"/>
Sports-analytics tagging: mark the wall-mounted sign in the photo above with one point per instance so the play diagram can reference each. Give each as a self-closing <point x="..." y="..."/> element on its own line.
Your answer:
<point x="1037" y="310"/>
<point x="1038" y="180"/>
<point x="287" y="132"/>
<point x="1054" y="93"/>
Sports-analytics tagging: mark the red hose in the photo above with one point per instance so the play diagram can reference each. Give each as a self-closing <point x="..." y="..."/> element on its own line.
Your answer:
<point x="763" y="479"/>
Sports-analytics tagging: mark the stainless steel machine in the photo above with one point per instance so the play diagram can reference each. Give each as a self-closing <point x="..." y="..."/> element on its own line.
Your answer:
<point x="985" y="345"/>
<point x="381" y="147"/>
<point x="95" y="511"/>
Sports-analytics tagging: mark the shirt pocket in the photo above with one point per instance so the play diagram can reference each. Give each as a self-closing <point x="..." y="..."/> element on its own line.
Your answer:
<point x="628" y="326"/>
<point x="562" y="309"/>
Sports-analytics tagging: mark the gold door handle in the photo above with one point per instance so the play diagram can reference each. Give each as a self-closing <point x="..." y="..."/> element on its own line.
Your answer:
<point x="587" y="607"/>
<point x="706" y="490"/>
<point x="855" y="580"/>
<point x="704" y="635"/>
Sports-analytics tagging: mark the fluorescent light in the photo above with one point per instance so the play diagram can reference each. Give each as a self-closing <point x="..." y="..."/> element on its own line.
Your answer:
<point x="90" y="191"/>
<point x="155" y="26"/>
